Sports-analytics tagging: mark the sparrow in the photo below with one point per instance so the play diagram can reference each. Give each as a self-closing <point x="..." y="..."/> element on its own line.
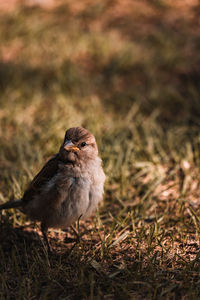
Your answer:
<point x="68" y="187"/>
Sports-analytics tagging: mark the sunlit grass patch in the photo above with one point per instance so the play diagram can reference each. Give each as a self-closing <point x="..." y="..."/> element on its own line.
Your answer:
<point x="131" y="77"/>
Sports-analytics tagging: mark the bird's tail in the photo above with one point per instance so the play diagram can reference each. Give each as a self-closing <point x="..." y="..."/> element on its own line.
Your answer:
<point x="11" y="204"/>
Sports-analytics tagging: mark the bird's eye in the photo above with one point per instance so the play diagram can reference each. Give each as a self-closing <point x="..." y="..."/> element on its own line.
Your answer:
<point x="83" y="144"/>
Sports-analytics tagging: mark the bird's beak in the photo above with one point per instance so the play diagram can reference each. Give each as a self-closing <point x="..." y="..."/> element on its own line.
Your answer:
<point x="69" y="146"/>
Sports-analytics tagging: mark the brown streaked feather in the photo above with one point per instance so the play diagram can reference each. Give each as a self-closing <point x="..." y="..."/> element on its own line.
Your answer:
<point x="77" y="134"/>
<point x="47" y="172"/>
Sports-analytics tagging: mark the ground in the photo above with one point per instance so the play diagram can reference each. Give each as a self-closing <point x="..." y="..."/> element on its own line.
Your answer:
<point x="129" y="72"/>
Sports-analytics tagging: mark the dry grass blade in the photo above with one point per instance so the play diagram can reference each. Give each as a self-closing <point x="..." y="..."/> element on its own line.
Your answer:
<point x="128" y="71"/>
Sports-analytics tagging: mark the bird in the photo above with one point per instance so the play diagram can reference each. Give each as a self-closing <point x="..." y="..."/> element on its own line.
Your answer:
<point x="68" y="187"/>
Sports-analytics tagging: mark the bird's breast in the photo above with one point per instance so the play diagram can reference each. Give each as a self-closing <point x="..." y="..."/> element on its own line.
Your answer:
<point x="69" y="194"/>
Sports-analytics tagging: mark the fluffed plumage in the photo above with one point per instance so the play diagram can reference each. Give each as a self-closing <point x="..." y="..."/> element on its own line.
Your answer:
<point x="68" y="187"/>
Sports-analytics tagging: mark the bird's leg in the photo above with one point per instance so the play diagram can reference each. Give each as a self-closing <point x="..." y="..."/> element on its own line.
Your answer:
<point x="72" y="240"/>
<point x="44" y="230"/>
<point x="76" y="232"/>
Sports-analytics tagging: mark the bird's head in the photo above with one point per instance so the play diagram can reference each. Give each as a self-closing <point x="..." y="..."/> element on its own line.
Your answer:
<point x="79" y="145"/>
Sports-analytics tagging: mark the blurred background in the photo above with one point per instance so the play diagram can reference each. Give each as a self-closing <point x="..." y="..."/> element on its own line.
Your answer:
<point x="127" y="70"/>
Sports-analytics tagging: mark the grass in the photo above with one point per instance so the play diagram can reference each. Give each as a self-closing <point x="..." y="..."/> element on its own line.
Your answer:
<point x="129" y="73"/>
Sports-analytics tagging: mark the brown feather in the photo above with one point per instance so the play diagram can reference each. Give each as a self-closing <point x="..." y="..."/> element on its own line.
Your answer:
<point x="47" y="172"/>
<point x="69" y="185"/>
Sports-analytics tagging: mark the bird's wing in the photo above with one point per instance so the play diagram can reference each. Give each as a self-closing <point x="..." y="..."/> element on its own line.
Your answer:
<point x="49" y="170"/>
